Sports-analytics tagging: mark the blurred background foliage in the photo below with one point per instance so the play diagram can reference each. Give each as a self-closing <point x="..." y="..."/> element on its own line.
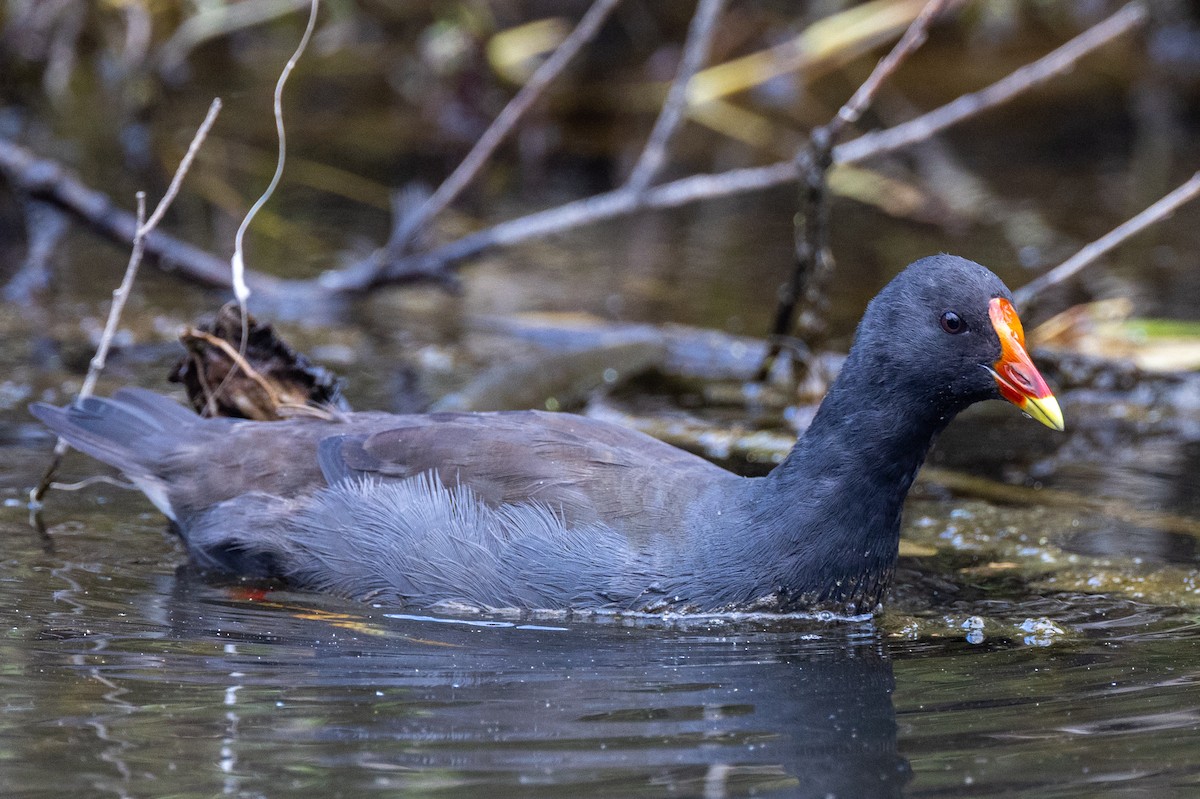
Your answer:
<point x="392" y="94"/>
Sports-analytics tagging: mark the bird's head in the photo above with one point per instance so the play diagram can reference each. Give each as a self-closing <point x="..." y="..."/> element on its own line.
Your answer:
<point x="947" y="330"/>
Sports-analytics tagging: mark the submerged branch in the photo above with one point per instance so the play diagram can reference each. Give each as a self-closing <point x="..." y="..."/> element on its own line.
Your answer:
<point x="45" y="226"/>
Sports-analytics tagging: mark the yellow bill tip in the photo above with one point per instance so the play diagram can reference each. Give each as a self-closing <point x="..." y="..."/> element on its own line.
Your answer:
<point x="1045" y="410"/>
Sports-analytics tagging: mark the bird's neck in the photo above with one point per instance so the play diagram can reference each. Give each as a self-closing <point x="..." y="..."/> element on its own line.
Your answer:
<point x="827" y="519"/>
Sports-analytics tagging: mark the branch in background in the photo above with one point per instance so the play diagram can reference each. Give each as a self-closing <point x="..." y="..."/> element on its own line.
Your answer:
<point x="367" y="273"/>
<point x="968" y="197"/>
<point x="45" y="179"/>
<point x="695" y="53"/>
<point x="695" y="188"/>
<point x="181" y="171"/>
<point x="909" y="43"/>
<point x="45" y="225"/>
<point x="1051" y="65"/>
<point x="813" y="267"/>
<point x="1157" y="212"/>
<point x="144" y="228"/>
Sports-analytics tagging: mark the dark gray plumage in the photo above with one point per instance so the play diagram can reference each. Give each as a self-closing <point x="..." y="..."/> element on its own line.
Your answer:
<point x="538" y="510"/>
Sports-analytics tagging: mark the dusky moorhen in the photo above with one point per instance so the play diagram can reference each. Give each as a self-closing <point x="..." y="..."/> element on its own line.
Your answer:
<point x="529" y="509"/>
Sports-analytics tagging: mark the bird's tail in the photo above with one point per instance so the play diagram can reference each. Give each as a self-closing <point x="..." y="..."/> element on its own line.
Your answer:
<point x="134" y="430"/>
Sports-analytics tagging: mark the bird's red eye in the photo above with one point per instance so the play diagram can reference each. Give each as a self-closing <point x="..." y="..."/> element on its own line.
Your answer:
<point x="952" y="323"/>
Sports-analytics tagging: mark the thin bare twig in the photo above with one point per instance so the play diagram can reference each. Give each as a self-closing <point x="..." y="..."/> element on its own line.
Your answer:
<point x="1154" y="214"/>
<point x="695" y="53"/>
<point x="909" y="43"/>
<point x="121" y="295"/>
<point x="145" y="226"/>
<point x="808" y="284"/>
<point x="93" y="480"/>
<point x="118" y="305"/>
<point x="237" y="263"/>
<point x="506" y="120"/>
<point x="114" y="314"/>
<point x="185" y="164"/>
<point x="1051" y="65"/>
<point x="696" y="188"/>
<point x="240" y="290"/>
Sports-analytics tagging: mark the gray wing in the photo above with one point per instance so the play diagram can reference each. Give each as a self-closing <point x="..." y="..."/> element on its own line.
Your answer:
<point x="585" y="470"/>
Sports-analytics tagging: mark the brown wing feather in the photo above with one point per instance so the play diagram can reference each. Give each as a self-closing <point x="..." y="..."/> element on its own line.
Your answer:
<point x="587" y="470"/>
<point x="584" y="469"/>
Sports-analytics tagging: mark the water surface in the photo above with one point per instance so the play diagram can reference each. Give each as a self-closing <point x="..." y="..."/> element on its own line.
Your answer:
<point x="1041" y="638"/>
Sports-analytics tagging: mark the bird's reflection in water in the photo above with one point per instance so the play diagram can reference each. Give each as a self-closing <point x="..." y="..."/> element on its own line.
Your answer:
<point x="370" y="696"/>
